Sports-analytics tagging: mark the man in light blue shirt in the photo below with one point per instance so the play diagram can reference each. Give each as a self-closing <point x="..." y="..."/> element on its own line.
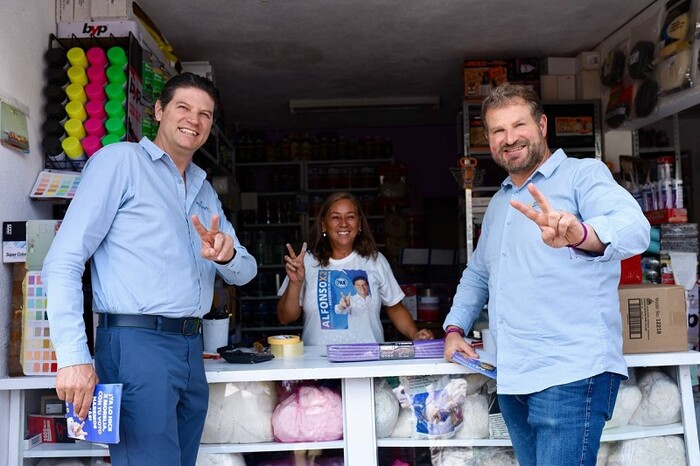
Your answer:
<point x="156" y="235"/>
<point x="548" y="262"/>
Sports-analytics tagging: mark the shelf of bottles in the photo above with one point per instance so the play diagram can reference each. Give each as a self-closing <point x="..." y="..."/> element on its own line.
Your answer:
<point x="284" y="180"/>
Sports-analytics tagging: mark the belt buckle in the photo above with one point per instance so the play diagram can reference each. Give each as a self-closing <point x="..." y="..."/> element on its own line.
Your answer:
<point x="190" y="326"/>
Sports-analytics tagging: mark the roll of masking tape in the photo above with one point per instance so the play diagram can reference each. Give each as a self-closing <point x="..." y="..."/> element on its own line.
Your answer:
<point x="286" y="346"/>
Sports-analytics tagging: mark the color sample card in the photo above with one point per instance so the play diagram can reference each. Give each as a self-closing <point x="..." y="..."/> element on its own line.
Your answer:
<point x="40" y="235"/>
<point x="56" y="184"/>
<point x="38" y="356"/>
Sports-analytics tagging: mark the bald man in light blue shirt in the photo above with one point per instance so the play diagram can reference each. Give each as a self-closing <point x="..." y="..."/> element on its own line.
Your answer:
<point x="548" y="263"/>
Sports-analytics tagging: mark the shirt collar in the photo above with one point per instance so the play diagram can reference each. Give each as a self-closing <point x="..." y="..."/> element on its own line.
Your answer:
<point x="546" y="169"/>
<point x="192" y="171"/>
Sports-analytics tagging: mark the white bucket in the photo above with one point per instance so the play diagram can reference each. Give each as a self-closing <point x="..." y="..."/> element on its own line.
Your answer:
<point x="215" y="334"/>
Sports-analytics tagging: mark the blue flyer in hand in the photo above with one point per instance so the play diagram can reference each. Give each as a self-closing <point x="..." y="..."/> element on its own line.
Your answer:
<point x="102" y="423"/>
<point x="486" y="364"/>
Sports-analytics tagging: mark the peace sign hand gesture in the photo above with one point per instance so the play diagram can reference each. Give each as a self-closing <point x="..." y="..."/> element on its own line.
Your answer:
<point x="294" y="264"/>
<point x="559" y="228"/>
<point x="216" y="245"/>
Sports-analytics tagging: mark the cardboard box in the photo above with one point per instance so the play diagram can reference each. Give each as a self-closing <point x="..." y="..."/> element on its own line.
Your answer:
<point x="588" y="85"/>
<point x="30" y="441"/>
<point x="549" y="86"/>
<point x="201" y="68"/>
<point x="53" y="429"/>
<point x="51" y="405"/>
<point x="566" y="87"/>
<point x="657" y="217"/>
<point x="654" y="318"/>
<point x="84" y="29"/>
<point x="14" y="241"/>
<point x="111" y="9"/>
<point x="559" y="65"/>
<point x="64" y="10"/>
<point x="589" y="60"/>
<point x="81" y="10"/>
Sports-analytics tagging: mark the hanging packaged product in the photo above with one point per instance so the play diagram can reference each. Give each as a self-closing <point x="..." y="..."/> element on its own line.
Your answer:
<point x="675" y="47"/>
<point x="437" y="404"/>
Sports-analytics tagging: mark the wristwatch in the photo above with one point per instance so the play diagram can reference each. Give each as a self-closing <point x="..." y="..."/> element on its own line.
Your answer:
<point x="454" y="330"/>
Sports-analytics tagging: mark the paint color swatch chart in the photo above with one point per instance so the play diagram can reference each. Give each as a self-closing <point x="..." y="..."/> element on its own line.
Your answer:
<point x="38" y="356"/>
<point x="55" y="184"/>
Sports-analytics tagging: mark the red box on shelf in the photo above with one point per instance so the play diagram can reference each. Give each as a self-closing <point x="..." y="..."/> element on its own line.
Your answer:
<point x="53" y="429"/>
<point x="657" y="217"/>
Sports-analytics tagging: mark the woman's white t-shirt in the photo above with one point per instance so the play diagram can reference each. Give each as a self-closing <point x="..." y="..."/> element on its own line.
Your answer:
<point x="325" y="320"/>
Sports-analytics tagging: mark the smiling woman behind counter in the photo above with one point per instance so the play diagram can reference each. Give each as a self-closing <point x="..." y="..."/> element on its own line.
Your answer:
<point x="342" y="281"/>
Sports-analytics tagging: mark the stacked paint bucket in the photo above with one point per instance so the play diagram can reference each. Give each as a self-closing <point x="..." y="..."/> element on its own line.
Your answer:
<point x="55" y="92"/>
<point x="115" y="90"/>
<point x="80" y="117"/>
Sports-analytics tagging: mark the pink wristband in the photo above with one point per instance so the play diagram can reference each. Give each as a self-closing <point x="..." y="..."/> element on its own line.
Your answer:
<point x="454" y="330"/>
<point x="585" y="235"/>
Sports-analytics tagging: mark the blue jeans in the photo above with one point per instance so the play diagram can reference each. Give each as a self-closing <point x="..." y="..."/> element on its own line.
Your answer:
<point x="561" y="425"/>
<point x="165" y="394"/>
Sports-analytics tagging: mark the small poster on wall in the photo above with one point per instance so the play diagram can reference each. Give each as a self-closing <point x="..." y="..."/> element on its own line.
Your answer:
<point x="574" y="126"/>
<point x="13" y="128"/>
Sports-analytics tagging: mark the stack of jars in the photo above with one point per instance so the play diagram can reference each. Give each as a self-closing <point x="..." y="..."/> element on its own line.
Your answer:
<point x="86" y="100"/>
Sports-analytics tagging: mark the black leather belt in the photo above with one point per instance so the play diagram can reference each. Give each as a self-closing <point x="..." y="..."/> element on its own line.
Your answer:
<point x="185" y="325"/>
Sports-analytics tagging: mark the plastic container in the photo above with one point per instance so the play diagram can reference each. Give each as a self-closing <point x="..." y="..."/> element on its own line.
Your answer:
<point x="53" y="149"/>
<point x="429" y="308"/>
<point x="76" y="110"/>
<point x="95" y="91"/>
<point x="115" y="92"/>
<point x="96" y="56"/>
<point x="57" y="76"/>
<point x="116" y="126"/>
<point x="94" y="127"/>
<point x="215" y="334"/>
<point x="116" y="74"/>
<point x="117" y="56"/>
<point x="91" y="144"/>
<point x="77" y="75"/>
<point x="110" y="139"/>
<point x="53" y="128"/>
<point x="97" y="75"/>
<point x="76" y="57"/>
<point x="56" y="58"/>
<point x="74" y="127"/>
<point x="76" y="92"/>
<point x="55" y="93"/>
<point x="55" y="111"/>
<point x="114" y="109"/>
<point x="73" y="149"/>
<point x="96" y="110"/>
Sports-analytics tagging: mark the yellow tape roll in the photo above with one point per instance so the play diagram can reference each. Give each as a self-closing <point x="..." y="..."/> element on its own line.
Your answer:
<point x="286" y="346"/>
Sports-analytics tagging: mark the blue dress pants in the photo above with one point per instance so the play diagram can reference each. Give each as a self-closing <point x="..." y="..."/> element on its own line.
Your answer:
<point x="165" y="394"/>
<point x="561" y="425"/>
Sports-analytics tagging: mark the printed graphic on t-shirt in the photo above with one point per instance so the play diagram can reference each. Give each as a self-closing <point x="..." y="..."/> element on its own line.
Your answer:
<point x="343" y="295"/>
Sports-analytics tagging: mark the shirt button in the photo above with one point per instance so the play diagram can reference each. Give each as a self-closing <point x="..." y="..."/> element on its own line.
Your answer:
<point x="503" y="254"/>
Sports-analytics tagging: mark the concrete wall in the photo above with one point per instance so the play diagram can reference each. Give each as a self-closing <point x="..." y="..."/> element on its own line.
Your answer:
<point x="25" y="26"/>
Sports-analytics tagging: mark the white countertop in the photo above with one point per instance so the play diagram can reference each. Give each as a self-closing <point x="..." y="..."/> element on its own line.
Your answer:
<point x="313" y="365"/>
